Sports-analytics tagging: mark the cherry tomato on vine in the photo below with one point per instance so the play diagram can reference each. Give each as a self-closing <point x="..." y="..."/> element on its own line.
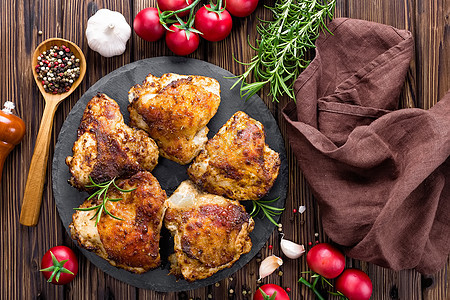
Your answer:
<point x="269" y="289"/>
<point x="241" y="8"/>
<point x="147" y="25"/>
<point x="181" y="41"/>
<point x="174" y="5"/>
<point x="326" y="260"/>
<point x="214" y="23"/>
<point x="354" y="284"/>
<point x="59" y="265"/>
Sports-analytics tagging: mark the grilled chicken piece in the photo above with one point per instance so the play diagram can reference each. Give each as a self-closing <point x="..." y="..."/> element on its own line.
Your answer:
<point x="106" y="147"/>
<point x="174" y="110"/>
<point x="133" y="243"/>
<point x="236" y="162"/>
<point x="210" y="232"/>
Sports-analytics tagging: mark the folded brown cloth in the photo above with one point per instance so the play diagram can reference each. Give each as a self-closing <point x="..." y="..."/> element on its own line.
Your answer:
<point x="381" y="176"/>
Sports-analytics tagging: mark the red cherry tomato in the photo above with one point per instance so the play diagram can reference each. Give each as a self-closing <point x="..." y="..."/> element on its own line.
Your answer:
<point x="241" y="8"/>
<point x="174" y="5"/>
<point x="326" y="260"/>
<point x="214" y="27"/>
<point x="269" y="289"/>
<point x="147" y="25"/>
<point x="61" y="267"/>
<point x="178" y="42"/>
<point x="354" y="284"/>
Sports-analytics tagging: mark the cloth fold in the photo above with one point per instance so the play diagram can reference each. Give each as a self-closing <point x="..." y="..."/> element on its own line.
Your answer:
<point x="381" y="176"/>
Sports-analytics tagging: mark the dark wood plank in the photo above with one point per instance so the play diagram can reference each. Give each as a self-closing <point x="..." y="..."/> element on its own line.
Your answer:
<point x="22" y="247"/>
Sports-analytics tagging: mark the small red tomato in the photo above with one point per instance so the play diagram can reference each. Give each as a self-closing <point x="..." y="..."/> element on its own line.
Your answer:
<point x="147" y="25"/>
<point x="174" y="5"/>
<point x="214" y="26"/>
<point x="59" y="265"/>
<point x="241" y="8"/>
<point x="354" y="284"/>
<point x="269" y="290"/>
<point x="180" y="41"/>
<point x="326" y="260"/>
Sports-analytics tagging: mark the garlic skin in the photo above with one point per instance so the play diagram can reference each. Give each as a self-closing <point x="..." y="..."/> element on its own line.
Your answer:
<point x="291" y="249"/>
<point x="107" y="32"/>
<point x="269" y="265"/>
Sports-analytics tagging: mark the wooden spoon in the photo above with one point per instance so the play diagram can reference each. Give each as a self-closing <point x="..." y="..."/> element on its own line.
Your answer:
<point x="38" y="168"/>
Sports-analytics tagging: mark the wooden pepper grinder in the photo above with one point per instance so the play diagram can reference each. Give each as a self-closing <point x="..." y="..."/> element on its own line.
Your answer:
<point x="12" y="130"/>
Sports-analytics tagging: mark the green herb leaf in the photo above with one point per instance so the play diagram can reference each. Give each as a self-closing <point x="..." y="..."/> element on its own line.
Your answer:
<point x="284" y="42"/>
<point x="101" y="193"/>
<point x="268" y="211"/>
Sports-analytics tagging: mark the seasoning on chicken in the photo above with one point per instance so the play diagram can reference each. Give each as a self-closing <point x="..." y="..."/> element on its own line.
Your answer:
<point x="174" y="109"/>
<point x="236" y="162"/>
<point x="210" y="232"/>
<point x="106" y="147"/>
<point x="133" y="242"/>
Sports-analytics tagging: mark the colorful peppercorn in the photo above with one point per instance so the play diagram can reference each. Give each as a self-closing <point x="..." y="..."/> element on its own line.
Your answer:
<point x="57" y="69"/>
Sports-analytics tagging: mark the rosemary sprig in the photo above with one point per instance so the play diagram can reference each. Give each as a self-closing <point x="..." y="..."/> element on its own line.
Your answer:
<point x="268" y="211"/>
<point x="101" y="193"/>
<point x="283" y="43"/>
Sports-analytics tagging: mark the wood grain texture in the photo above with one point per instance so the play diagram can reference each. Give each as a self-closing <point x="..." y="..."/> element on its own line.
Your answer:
<point x="21" y="248"/>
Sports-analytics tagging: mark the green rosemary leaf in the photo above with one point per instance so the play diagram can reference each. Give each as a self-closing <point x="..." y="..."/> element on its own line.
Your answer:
<point x="88" y="208"/>
<point x="267" y="210"/>
<point x="283" y="44"/>
<point x="94" y="194"/>
<point x="99" y="214"/>
<point x="112" y="216"/>
<point x="122" y="190"/>
<point x="269" y="201"/>
<point x="115" y="200"/>
<point x="272" y="209"/>
<point x="101" y="193"/>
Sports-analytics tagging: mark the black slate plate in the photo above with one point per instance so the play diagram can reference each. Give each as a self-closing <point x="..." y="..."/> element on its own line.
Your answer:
<point x="170" y="175"/>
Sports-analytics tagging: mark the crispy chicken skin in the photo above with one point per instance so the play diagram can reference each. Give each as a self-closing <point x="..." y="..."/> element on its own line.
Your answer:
<point x="133" y="243"/>
<point x="237" y="163"/>
<point x="210" y="232"/>
<point x="106" y="147"/>
<point x="174" y="109"/>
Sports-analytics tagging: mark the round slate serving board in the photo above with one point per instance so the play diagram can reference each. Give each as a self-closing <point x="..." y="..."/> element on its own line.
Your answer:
<point x="169" y="174"/>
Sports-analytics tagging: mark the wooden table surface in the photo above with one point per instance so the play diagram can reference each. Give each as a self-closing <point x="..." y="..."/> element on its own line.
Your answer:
<point x="21" y="248"/>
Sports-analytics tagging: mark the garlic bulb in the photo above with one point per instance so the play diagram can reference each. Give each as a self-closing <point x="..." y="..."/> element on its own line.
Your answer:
<point x="291" y="249"/>
<point x="269" y="265"/>
<point x="107" y="32"/>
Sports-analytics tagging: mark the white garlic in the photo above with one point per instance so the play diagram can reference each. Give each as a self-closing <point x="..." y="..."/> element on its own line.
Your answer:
<point x="301" y="209"/>
<point x="107" y="32"/>
<point x="269" y="265"/>
<point x="291" y="249"/>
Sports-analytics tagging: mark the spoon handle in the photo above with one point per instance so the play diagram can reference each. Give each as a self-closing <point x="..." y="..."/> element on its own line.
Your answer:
<point x="32" y="197"/>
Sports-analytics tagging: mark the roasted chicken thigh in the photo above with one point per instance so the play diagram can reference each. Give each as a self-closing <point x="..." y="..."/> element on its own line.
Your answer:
<point x="237" y="163"/>
<point x="106" y="147"/>
<point x="133" y="242"/>
<point x="210" y="232"/>
<point x="174" y="110"/>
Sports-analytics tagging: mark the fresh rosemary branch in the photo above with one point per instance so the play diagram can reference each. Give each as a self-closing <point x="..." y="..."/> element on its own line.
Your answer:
<point x="268" y="211"/>
<point x="283" y="43"/>
<point x="101" y="193"/>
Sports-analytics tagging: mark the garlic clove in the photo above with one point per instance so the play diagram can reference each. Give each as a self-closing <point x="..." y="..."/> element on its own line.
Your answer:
<point x="301" y="209"/>
<point x="291" y="249"/>
<point x="269" y="265"/>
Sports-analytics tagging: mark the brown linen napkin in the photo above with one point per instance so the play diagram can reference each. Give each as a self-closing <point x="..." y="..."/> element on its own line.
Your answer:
<point x="381" y="177"/>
